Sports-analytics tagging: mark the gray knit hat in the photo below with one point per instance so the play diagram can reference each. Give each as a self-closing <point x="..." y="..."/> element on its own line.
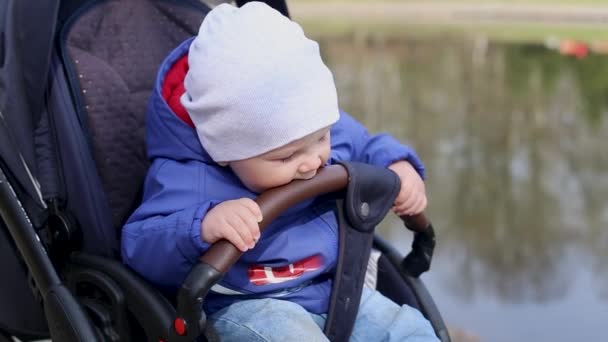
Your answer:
<point x="255" y="83"/>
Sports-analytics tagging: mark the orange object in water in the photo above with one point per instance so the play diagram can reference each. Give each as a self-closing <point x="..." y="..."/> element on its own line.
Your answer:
<point x="574" y="48"/>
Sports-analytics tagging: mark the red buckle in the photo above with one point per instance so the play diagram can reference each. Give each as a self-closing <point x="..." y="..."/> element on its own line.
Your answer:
<point x="179" y="324"/>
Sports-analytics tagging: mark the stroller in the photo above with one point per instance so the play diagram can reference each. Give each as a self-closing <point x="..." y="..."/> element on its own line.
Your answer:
<point x="73" y="92"/>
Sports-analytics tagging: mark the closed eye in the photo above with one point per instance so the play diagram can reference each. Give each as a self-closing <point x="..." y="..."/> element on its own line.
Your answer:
<point x="287" y="159"/>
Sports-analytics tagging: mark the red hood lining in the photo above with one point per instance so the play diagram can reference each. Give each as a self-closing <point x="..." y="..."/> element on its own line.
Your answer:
<point x="173" y="89"/>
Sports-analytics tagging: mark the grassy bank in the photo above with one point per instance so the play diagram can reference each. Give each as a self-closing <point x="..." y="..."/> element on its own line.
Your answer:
<point x="498" y="32"/>
<point x="509" y="21"/>
<point x="602" y="3"/>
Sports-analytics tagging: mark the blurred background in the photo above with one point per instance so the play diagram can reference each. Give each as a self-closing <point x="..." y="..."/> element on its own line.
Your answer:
<point x="506" y="103"/>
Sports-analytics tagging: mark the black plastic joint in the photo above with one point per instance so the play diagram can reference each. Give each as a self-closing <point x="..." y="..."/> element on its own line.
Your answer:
<point x="419" y="258"/>
<point x="190" y="297"/>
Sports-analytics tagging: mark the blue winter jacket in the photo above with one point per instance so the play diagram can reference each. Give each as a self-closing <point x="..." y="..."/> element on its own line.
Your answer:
<point x="296" y="254"/>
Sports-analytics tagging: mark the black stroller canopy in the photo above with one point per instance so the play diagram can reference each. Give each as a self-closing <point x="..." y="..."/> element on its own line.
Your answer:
<point x="26" y="36"/>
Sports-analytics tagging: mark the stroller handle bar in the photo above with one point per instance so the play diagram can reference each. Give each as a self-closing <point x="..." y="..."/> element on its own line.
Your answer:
<point x="223" y="254"/>
<point x="218" y="259"/>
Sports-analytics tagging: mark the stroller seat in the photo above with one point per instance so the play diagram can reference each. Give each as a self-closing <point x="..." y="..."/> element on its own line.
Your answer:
<point x="112" y="56"/>
<point x="91" y="163"/>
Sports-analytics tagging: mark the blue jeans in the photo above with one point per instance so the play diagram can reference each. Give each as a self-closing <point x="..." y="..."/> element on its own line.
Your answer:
<point x="379" y="319"/>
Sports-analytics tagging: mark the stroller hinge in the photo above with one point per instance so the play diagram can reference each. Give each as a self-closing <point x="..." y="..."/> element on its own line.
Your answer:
<point x="61" y="231"/>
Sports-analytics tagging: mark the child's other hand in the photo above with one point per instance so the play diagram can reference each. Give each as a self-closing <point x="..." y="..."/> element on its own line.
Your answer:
<point x="236" y="221"/>
<point x="412" y="196"/>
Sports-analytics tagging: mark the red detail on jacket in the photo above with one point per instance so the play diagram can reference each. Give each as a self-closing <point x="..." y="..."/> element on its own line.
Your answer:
<point x="263" y="275"/>
<point x="173" y="89"/>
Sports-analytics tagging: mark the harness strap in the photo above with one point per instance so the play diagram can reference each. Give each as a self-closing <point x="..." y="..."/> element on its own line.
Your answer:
<point x="370" y="194"/>
<point x="354" y="246"/>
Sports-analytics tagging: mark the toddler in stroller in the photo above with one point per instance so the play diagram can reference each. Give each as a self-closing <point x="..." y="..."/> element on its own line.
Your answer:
<point x="265" y="109"/>
<point x="74" y="79"/>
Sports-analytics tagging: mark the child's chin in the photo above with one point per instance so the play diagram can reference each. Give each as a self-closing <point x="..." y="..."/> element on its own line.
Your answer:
<point x="263" y="188"/>
<point x="259" y="189"/>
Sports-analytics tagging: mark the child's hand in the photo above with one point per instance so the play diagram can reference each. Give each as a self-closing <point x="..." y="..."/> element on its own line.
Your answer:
<point x="412" y="196"/>
<point x="235" y="221"/>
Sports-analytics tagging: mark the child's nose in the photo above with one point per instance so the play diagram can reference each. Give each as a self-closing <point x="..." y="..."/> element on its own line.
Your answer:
<point x="310" y="164"/>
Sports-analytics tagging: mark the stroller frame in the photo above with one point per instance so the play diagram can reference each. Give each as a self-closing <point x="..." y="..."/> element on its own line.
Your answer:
<point x="39" y="228"/>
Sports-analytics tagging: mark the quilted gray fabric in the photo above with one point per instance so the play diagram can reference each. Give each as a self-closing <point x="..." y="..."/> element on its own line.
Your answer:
<point x="116" y="48"/>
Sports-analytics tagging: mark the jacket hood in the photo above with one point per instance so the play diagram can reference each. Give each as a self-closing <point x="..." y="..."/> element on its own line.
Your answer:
<point x="167" y="135"/>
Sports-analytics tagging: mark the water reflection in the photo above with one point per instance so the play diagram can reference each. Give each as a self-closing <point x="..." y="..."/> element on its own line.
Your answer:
<point x="514" y="140"/>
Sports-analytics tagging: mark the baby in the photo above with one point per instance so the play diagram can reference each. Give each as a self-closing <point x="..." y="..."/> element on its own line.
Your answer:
<point x="245" y="106"/>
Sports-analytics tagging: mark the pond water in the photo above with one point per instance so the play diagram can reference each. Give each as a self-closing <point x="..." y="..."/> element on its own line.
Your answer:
<point x="514" y="138"/>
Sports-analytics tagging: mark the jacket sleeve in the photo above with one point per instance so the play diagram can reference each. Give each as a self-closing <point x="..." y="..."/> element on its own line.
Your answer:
<point x="162" y="239"/>
<point x="351" y="141"/>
